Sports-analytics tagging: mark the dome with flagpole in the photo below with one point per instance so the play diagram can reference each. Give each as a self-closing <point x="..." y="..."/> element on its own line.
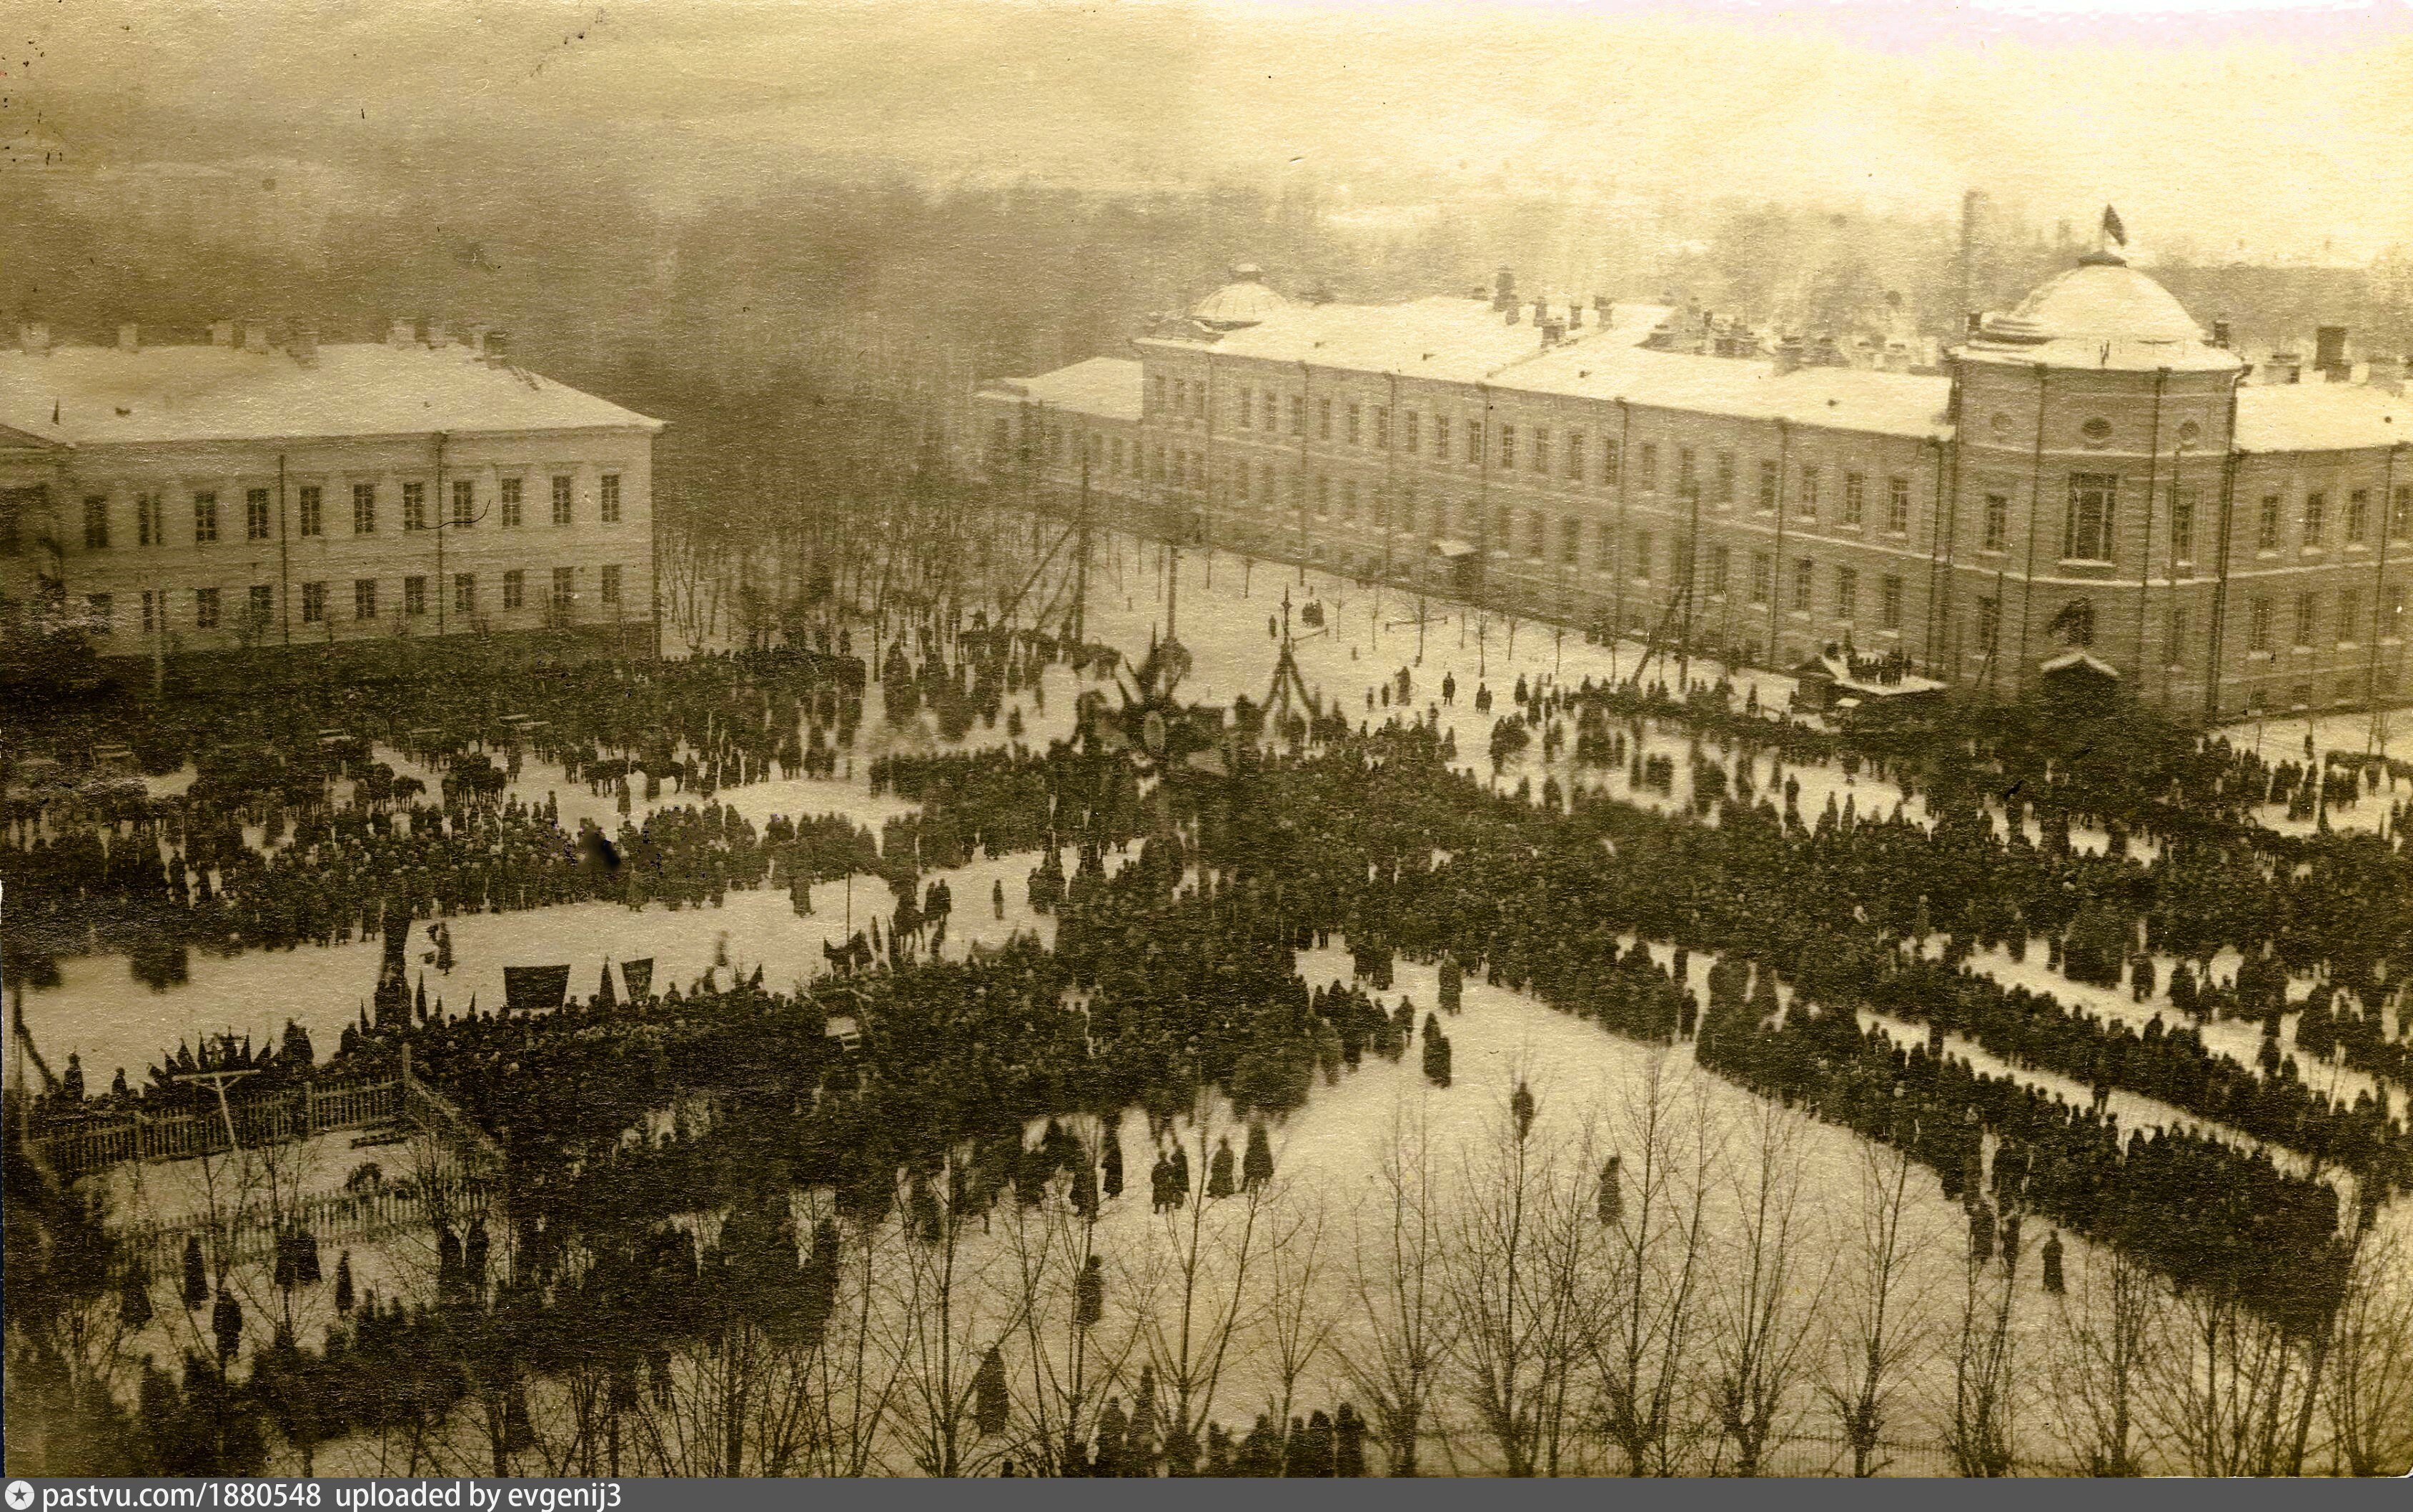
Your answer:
<point x="2100" y="313"/>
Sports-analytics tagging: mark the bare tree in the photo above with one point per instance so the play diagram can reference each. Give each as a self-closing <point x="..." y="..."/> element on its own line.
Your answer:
<point x="1397" y="1265"/>
<point x="1884" y="1328"/>
<point x="1525" y="1267"/>
<point x="2105" y="1340"/>
<point x="1659" y="1242"/>
<point x="2224" y="1392"/>
<point x="2369" y="1391"/>
<point x="1296" y="1326"/>
<point x="1980" y="1432"/>
<point x="948" y="1311"/>
<point x="1762" y="1320"/>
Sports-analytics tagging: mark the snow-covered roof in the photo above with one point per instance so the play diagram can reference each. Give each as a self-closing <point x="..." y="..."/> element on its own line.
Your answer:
<point x="103" y="395"/>
<point x="2320" y="417"/>
<point x="1910" y="405"/>
<point x="1450" y="339"/>
<point x="1104" y="387"/>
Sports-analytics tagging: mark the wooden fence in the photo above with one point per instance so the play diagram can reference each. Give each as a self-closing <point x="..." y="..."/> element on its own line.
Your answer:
<point x="251" y="1233"/>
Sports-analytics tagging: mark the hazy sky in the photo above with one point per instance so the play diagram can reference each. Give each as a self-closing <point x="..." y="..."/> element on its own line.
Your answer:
<point x="2222" y="122"/>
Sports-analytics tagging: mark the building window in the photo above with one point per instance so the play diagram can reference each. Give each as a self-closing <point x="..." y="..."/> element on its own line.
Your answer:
<point x="1990" y="624"/>
<point x="1848" y="594"/>
<point x="611" y="585"/>
<point x="1266" y="484"/>
<point x="1804" y="572"/>
<point x="100" y="613"/>
<point x="1542" y="451"/>
<point x="1605" y="549"/>
<point x="511" y="491"/>
<point x="2257" y="631"/>
<point x="95" y="523"/>
<point x="1474" y="429"/>
<point x="313" y="509"/>
<point x="364" y="508"/>
<point x="1574" y="456"/>
<point x="205" y="519"/>
<point x="314" y="603"/>
<point x="1198" y="397"/>
<point x="414" y="595"/>
<point x="1323" y="419"/>
<point x="1248" y="407"/>
<point x="560" y="499"/>
<point x="1611" y="458"/>
<point x="464" y="592"/>
<point x="1410" y="440"/>
<point x="465" y="503"/>
<point x="1501" y="539"/>
<point x="262" y="604"/>
<point x="1763" y="578"/>
<point x="1721" y="562"/>
<point x="2316" y="519"/>
<point x="515" y="589"/>
<point x="1297" y="415"/>
<point x="1688" y="481"/>
<point x="1507" y="448"/>
<point x="1181" y="396"/>
<point x="150" y="519"/>
<point x="565" y="582"/>
<point x="1725" y="491"/>
<point x="1855" y="493"/>
<point x="1889" y="603"/>
<point x="1647" y="465"/>
<point x="1771" y="480"/>
<point x="609" y="499"/>
<point x="1353" y="417"/>
<point x="2087" y="535"/>
<point x="2400" y="512"/>
<point x="1998" y="522"/>
<point x="2349" y="615"/>
<point x="2307" y="618"/>
<point x="1571" y="542"/>
<point x="414" y="507"/>
<point x="1407" y="508"/>
<point x="205" y="609"/>
<point x="1537" y="535"/>
<point x="1898" y="505"/>
<point x="1642" y="556"/>
<point x="1156" y="387"/>
<point x="2175" y="653"/>
<point x="2357" y="517"/>
<point x="1805" y="502"/>
<point x="255" y="514"/>
<point x="365" y="598"/>
<point x="2266" y="526"/>
<point x="151" y="612"/>
<point x="2181" y="523"/>
<point x="1349" y="500"/>
<point x="1323" y="496"/>
<point x="1240" y="481"/>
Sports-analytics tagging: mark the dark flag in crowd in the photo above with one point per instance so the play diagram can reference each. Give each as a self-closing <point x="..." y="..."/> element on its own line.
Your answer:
<point x="638" y="976"/>
<point x="528" y="989"/>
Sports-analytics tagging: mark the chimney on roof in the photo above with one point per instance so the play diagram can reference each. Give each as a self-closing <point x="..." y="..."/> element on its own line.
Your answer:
<point x="305" y="346"/>
<point x="438" y="333"/>
<point x="499" y="346"/>
<point x="2221" y="334"/>
<point x="2329" y="353"/>
<point x="1552" y="333"/>
<point x="1973" y="323"/>
<point x="400" y="334"/>
<point x="478" y="338"/>
<point x="1503" y="293"/>
<point x="1575" y="315"/>
<point x="33" y="336"/>
<point x="2286" y="367"/>
<point x="129" y="337"/>
<point x="1788" y="356"/>
<point x="1541" y="311"/>
<point x="221" y="333"/>
<point x="254" y="335"/>
<point x="2386" y="372"/>
<point x="1897" y="357"/>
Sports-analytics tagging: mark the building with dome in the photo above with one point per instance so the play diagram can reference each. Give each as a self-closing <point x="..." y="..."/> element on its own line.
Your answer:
<point x="2088" y="480"/>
